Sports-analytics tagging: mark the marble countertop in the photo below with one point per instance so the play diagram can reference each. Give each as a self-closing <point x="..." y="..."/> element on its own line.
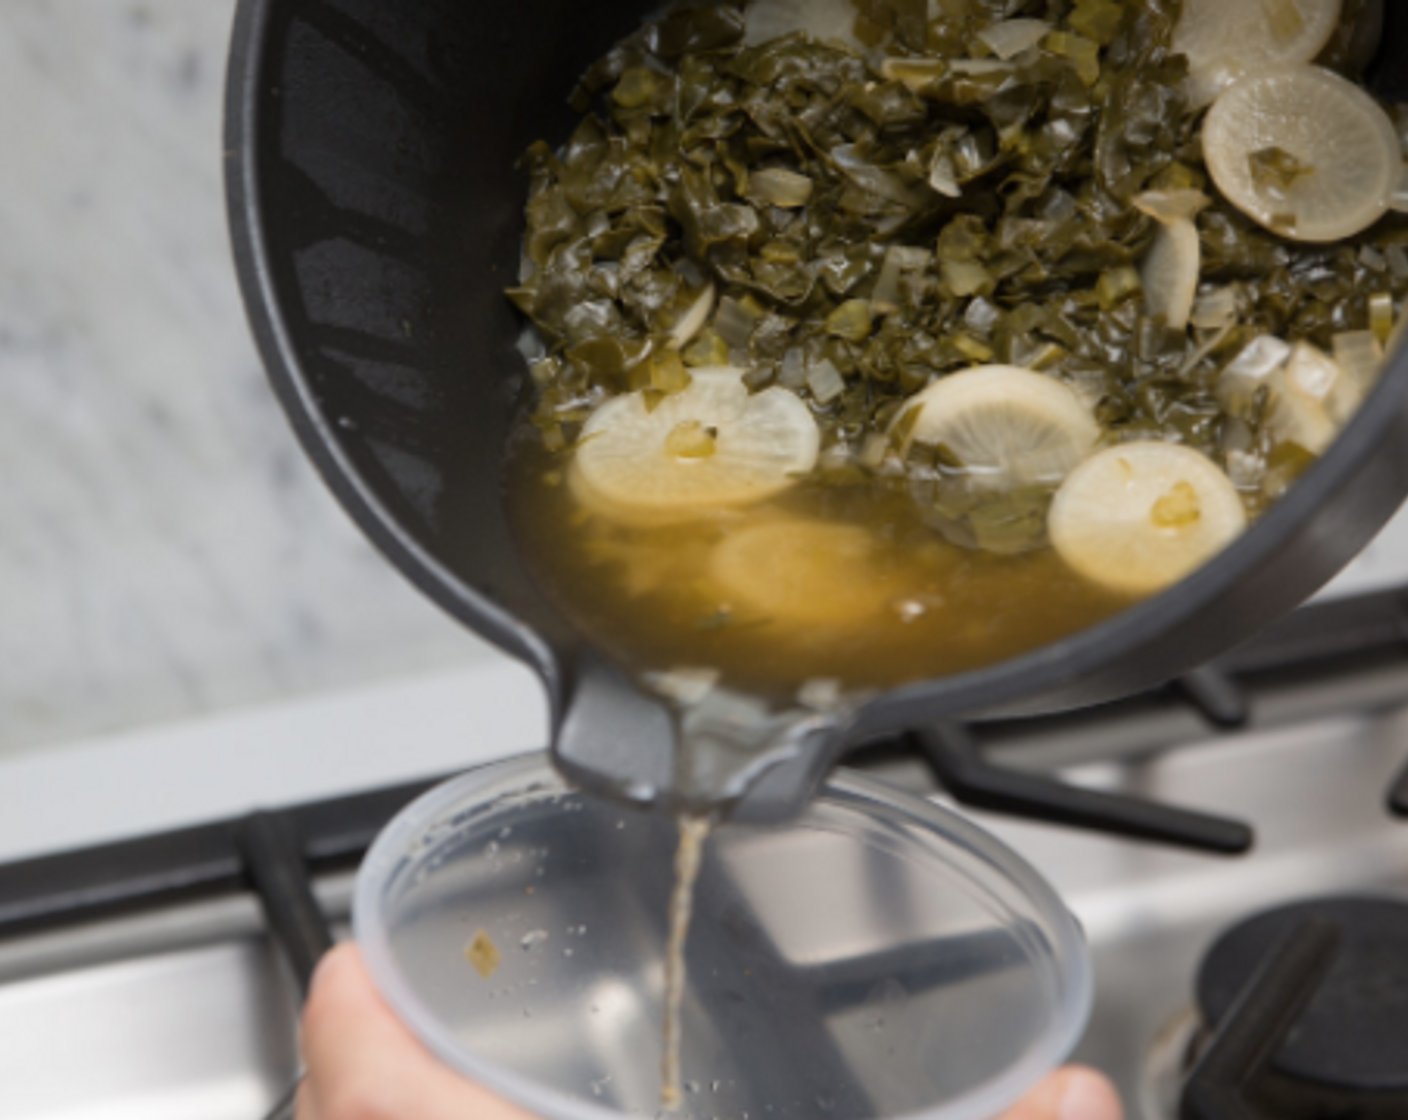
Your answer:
<point x="165" y="548"/>
<point x="168" y="560"/>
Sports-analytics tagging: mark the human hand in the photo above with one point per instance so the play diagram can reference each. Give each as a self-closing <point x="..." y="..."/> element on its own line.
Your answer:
<point x="1071" y="1093"/>
<point x="363" y="1064"/>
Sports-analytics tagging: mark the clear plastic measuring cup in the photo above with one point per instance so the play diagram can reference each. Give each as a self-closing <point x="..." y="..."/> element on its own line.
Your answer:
<point x="877" y="957"/>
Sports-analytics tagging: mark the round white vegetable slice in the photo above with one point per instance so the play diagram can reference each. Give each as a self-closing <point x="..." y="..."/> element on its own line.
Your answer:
<point x="710" y="446"/>
<point x="1304" y="152"/>
<point x="813" y="572"/>
<point x="1138" y="517"/>
<point x="1008" y="426"/>
<point x="1225" y="39"/>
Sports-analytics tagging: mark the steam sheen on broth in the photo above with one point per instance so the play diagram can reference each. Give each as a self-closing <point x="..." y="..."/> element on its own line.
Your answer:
<point x="874" y="599"/>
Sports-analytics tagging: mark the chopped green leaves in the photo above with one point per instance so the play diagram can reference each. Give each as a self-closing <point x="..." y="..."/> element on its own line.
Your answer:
<point x="852" y="227"/>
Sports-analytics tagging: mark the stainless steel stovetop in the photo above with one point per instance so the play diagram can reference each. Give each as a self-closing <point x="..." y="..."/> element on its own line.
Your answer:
<point x="187" y="1013"/>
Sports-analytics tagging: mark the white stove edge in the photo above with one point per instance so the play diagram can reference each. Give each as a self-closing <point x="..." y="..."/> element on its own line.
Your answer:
<point x="195" y="771"/>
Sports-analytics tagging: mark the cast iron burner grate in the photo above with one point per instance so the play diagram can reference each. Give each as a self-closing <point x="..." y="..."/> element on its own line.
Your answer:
<point x="1308" y="1008"/>
<point x="1342" y="640"/>
<point x="274" y="854"/>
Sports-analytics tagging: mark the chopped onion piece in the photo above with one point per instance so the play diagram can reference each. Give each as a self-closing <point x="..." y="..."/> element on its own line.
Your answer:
<point x="965" y="278"/>
<point x="1085" y="53"/>
<point x="1169" y="273"/>
<point x="1301" y="391"/>
<point x="979" y="67"/>
<point x="1359" y="356"/>
<point x="1236" y="435"/>
<point x="825" y="382"/>
<point x="898" y="260"/>
<point x="874" y="450"/>
<point x="886" y="296"/>
<point x="916" y="73"/>
<point x="685" y="686"/>
<point x="1371" y="258"/>
<point x="851" y="321"/>
<point x="779" y="187"/>
<point x="693" y="320"/>
<point x="1260" y="358"/>
<point x="1381" y="315"/>
<point x="792" y="374"/>
<point x="1250" y="370"/>
<point x="1215" y="309"/>
<point x="971" y="348"/>
<point x="1010" y="37"/>
<point x="530" y="344"/>
<point x="821" y="694"/>
<point x="982" y="315"/>
<point x="1320" y="377"/>
<point x="1312" y="372"/>
<point x="1044" y="356"/>
<point x="876" y="180"/>
<point x="1171" y="206"/>
<point x="943" y="177"/>
<point x="1246" y="470"/>
<point x="970" y="154"/>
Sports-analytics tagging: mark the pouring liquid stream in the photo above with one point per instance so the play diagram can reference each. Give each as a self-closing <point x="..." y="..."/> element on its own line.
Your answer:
<point x="729" y="740"/>
<point x="694" y="830"/>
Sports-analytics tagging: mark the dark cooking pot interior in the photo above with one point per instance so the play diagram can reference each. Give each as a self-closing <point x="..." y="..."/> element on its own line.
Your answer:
<point x="376" y="205"/>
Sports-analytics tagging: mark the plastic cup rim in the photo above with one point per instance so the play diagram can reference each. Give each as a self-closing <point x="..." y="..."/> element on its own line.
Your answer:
<point x="389" y="850"/>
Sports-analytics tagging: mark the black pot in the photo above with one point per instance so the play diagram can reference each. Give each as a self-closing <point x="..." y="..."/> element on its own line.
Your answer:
<point x="376" y="207"/>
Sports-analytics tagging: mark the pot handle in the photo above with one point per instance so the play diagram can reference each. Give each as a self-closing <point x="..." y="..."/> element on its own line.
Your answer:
<point x="610" y="738"/>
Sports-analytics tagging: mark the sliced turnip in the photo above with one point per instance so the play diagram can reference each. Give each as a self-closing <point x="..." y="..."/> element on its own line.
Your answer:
<point x="710" y="446"/>
<point x="1008" y="427"/>
<point x="1304" y="152"/>
<point x="1226" y="39"/>
<point x="1138" y="517"/>
<point x="797" y="571"/>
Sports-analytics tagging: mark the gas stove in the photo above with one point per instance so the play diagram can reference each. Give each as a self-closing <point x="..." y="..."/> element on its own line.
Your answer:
<point x="1301" y="1012"/>
<point x="1196" y="832"/>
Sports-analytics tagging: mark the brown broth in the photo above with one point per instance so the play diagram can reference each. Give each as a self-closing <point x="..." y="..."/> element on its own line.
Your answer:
<point x="647" y="596"/>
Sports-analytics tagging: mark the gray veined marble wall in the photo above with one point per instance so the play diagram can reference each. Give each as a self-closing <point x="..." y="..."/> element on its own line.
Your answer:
<point x="165" y="550"/>
<point x="164" y="547"/>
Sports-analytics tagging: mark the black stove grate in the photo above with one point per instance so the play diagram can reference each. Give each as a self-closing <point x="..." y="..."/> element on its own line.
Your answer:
<point x="1308" y="1008"/>
<point x="258" y="852"/>
<point x="1319" y="642"/>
